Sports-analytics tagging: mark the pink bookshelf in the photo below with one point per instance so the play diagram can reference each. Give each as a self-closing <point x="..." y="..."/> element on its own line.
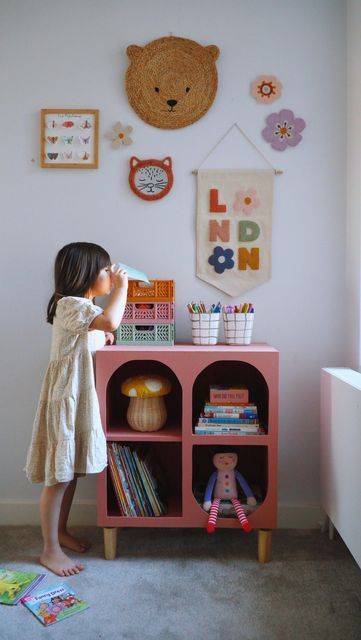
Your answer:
<point x="186" y="458"/>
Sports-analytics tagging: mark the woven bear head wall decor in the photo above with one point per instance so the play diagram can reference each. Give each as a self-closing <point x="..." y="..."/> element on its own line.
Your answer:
<point x="150" y="179"/>
<point x="171" y="82"/>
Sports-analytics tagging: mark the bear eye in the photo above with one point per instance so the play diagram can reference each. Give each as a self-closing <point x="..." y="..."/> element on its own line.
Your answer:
<point x="188" y="89"/>
<point x="156" y="89"/>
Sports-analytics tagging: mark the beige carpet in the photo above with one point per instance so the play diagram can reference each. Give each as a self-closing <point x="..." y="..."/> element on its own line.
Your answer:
<point x="186" y="584"/>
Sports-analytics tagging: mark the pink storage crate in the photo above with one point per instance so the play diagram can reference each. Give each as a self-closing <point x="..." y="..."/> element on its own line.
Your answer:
<point x="161" y="312"/>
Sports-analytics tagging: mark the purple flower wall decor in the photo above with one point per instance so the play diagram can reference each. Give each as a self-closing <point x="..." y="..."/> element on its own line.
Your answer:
<point x="283" y="129"/>
<point x="221" y="259"/>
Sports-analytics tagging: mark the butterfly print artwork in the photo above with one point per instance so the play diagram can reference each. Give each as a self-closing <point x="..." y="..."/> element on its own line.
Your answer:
<point x="150" y="179"/>
<point x="69" y="139"/>
<point x="85" y="125"/>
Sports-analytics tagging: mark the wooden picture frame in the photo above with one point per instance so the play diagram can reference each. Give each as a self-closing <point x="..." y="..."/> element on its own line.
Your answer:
<point x="69" y="138"/>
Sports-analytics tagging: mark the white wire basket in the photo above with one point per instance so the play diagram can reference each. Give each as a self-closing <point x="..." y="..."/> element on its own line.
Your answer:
<point x="205" y="327"/>
<point x="238" y="327"/>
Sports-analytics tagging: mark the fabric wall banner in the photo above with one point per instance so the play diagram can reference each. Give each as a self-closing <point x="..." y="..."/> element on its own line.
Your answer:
<point x="234" y="228"/>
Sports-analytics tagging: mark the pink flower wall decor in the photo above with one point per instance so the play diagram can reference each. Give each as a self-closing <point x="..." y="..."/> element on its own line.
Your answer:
<point x="283" y="130"/>
<point x="266" y="89"/>
<point x="246" y="201"/>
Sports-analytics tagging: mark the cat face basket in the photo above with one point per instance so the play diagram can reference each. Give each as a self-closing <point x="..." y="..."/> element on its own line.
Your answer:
<point x="205" y="327"/>
<point x="238" y="327"/>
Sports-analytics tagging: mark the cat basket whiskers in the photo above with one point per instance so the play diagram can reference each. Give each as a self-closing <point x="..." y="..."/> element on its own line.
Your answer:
<point x="150" y="179"/>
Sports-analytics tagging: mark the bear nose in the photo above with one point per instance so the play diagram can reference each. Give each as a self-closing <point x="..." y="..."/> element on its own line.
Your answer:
<point x="172" y="103"/>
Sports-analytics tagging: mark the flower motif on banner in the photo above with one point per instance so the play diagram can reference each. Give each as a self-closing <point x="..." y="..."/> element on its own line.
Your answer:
<point x="221" y="259"/>
<point x="283" y="129"/>
<point x="266" y="89"/>
<point x="119" y="135"/>
<point x="246" y="201"/>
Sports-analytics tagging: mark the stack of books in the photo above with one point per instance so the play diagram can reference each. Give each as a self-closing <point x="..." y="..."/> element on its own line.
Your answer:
<point x="135" y="485"/>
<point x="228" y="412"/>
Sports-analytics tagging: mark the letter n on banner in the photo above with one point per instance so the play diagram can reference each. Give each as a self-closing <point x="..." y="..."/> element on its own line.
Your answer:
<point x="234" y="228"/>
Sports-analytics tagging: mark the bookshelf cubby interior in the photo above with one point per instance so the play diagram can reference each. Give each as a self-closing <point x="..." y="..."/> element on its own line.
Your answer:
<point x="117" y="404"/>
<point x="231" y="373"/>
<point x="168" y="458"/>
<point x="252" y="463"/>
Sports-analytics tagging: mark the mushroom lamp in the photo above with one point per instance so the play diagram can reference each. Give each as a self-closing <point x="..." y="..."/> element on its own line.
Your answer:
<point x="147" y="410"/>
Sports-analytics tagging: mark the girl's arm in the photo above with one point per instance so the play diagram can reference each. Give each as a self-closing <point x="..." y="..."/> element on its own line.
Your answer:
<point x="112" y="315"/>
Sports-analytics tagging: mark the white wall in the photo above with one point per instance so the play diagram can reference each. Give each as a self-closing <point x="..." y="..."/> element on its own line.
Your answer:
<point x="353" y="235"/>
<point x="72" y="54"/>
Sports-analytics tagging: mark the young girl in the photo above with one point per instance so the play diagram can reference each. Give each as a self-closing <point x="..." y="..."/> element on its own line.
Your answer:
<point x="68" y="439"/>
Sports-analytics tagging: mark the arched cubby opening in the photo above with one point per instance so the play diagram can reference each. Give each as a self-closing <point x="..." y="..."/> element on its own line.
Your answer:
<point x="231" y="373"/>
<point x="252" y="464"/>
<point x="117" y="403"/>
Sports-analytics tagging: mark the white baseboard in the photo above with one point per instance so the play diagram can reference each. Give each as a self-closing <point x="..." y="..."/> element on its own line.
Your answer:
<point x="84" y="513"/>
<point x="27" y="513"/>
<point x="300" y="516"/>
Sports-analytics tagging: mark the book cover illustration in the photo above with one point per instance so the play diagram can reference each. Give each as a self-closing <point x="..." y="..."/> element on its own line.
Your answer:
<point x="55" y="604"/>
<point x="14" y="585"/>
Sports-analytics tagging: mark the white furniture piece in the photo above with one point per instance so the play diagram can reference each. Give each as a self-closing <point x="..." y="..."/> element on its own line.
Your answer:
<point x="341" y="454"/>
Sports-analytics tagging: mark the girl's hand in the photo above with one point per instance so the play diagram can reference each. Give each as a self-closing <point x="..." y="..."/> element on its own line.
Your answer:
<point x="109" y="338"/>
<point x="119" y="277"/>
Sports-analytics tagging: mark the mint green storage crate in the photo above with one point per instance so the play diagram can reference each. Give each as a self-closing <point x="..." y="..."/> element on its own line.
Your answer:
<point x="132" y="334"/>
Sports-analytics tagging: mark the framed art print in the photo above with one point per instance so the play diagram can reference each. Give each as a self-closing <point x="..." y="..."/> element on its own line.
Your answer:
<point x="69" y="138"/>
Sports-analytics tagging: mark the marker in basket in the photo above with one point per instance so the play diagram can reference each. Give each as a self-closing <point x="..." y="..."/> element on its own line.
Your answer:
<point x="244" y="307"/>
<point x="200" y="307"/>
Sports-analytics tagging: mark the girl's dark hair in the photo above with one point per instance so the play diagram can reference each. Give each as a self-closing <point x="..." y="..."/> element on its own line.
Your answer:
<point x="76" y="268"/>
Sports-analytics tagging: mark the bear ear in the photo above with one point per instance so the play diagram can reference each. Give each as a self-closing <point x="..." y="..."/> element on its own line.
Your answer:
<point x="213" y="50"/>
<point x="134" y="161"/>
<point x="133" y="52"/>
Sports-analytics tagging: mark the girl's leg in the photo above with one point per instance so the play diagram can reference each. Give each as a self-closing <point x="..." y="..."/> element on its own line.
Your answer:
<point x="213" y="515"/>
<point x="241" y="515"/>
<point x="52" y="556"/>
<point x="65" y="538"/>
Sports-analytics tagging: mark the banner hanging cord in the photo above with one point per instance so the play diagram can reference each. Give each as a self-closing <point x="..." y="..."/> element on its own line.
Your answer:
<point x="276" y="171"/>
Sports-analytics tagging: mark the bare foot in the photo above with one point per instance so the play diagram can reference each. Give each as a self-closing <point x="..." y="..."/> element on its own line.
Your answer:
<point x="75" y="544"/>
<point x="60" y="564"/>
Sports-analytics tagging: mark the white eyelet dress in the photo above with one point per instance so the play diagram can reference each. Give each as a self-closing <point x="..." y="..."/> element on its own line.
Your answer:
<point x="67" y="436"/>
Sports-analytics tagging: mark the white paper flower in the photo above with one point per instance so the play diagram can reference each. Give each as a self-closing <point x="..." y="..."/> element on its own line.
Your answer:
<point x="119" y="135"/>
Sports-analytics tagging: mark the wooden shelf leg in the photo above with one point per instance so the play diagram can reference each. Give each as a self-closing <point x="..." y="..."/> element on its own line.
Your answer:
<point x="264" y="545"/>
<point x="110" y="542"/>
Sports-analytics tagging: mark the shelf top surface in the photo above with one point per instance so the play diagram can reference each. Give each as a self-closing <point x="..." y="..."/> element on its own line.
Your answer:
<point x="259" y="347"/>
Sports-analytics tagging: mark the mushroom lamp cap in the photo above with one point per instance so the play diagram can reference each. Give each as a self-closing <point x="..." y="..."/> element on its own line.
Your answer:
<point x="151" y="386"/>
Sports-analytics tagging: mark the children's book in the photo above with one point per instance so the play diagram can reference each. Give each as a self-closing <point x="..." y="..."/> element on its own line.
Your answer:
<point x="54" y="605"/>
<point x="133" y="274"/>
<point x="14" y="585"/>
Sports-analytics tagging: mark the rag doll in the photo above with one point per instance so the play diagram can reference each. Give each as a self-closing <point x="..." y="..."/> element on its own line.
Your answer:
<point x="223" y="485"/>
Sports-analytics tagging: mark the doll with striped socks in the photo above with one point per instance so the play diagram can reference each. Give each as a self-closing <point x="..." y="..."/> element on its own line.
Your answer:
<point x="223" y="485"/>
